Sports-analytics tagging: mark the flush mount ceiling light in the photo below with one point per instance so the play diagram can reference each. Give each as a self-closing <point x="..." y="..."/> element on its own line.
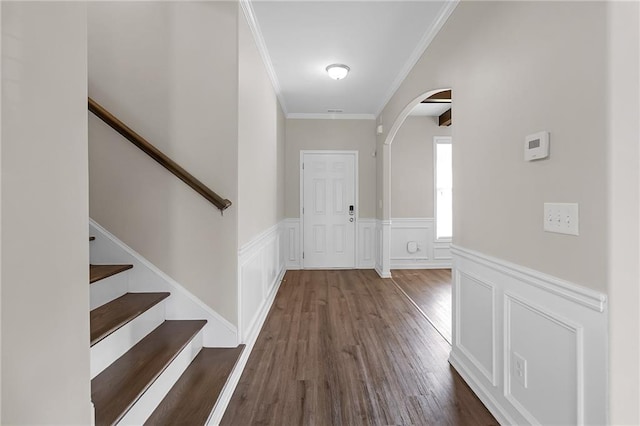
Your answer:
<point x="337" y="71"/>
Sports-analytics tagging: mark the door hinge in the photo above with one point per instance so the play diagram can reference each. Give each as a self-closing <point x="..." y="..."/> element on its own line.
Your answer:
<point x="302" y="166"/>
<point x="303" y="210"/>
<point x="303" y="255"/>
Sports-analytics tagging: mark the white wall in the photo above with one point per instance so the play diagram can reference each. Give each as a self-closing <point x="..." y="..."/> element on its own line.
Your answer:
<point x="412" y="167"/>
<point x="45" y="250"/>
<point x="309" y="134"/>
<point x="170" y="71"/>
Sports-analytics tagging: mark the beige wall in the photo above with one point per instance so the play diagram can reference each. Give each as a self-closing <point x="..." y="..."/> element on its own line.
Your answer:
<point x="282" y="133"/>
<point x="161" y="68"/>
<point x="260" y="142"/>
<point x="412" y="167"/>
<point x="45" y="249"/>
<point x="624" y="212"/>
<point x="309" y="134"/>
<point x="504" y="88"/>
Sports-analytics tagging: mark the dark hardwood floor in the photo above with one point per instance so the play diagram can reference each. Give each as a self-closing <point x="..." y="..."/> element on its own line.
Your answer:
<point x="348" y="348"/>
<point x="430" y="290"/>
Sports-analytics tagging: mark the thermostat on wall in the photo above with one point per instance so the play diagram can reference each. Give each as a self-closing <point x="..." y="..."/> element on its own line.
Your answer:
<point x="536" y="146"/>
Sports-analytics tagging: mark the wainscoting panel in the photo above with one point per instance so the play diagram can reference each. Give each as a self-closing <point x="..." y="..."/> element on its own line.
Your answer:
<point x="475" y="322"/>
<point x="430" y="254"/>
<point x="442" y="251"/>
<point x="528" y="329"/>
<point x="366" y="243"/>
<point x="260" y="270"/>
<point x="549" y="342"/>
<point x="291" y="243"/>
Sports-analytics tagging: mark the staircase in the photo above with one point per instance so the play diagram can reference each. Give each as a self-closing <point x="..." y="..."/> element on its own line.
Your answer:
<point x="147" y="366"/>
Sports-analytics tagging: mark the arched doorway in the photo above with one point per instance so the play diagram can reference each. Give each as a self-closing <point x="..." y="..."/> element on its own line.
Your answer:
<point x="385" y="231"/>
<point x="418" y="152"/>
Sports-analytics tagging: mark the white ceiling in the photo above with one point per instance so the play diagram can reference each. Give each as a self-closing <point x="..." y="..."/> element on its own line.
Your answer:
<point x="379" y="40"/>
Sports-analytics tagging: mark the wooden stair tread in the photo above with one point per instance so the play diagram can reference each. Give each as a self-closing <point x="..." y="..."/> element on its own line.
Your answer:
<point x="99" y="272"/>
<point x="120" y="385"/>
<point x="109" y="317"/>
<point x="191" y="400"/>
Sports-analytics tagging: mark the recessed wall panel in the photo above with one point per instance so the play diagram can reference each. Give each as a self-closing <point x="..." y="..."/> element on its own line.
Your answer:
<point x="475" y="325"/>
<point x="553" y="364"/>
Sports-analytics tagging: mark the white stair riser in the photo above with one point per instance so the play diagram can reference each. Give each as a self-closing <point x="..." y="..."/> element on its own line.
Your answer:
<point x="107" y="289"/>
<point x="112" y="347"/>
<point x="148" y="402"/>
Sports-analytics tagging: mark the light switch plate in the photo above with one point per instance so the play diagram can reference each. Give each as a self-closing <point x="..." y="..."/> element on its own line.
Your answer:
<point x="561" y="218"/>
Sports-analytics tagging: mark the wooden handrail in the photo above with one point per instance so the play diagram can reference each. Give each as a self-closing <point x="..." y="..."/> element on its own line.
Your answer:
<point x="158" y="155"/>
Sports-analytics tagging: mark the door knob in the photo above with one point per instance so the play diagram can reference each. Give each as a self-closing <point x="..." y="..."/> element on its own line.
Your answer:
<point x="350" y="219"/>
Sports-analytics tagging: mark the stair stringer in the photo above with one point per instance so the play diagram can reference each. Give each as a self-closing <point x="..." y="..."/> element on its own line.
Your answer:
<point x="146" y="277"/>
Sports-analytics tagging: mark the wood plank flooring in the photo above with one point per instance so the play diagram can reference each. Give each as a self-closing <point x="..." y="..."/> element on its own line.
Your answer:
<point x="348" y="348"/>
<point x="430" y="289"/>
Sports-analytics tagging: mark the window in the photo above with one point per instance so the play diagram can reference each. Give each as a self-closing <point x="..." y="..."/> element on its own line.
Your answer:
<point x="443" y="187"/>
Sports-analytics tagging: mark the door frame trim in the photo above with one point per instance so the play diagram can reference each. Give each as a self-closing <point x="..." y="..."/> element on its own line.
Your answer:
<point x="356" y="196"/>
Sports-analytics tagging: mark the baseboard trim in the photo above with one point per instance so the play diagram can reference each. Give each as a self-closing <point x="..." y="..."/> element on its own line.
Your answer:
<point x="431" y="265"/>
<point x="492" y="405"/>
<point x="250" y="341"/>
<point x="382" y="274"/>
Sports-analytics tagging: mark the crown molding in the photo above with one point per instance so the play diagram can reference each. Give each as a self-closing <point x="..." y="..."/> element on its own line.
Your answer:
<point x="329" y="116"/>
<point x="446" y="11"/>
<point x="249" y="14"/>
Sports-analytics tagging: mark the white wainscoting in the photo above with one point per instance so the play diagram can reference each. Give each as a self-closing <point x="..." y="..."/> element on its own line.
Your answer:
<point x="431" y="253"/>
<point x="502" y="311"/>
<point x="291" y="243"/>
<point x="365" y="244"/>
<point x="260" y="270"/>
<point x="366" y="252"/>
<point x="383" y="234"/>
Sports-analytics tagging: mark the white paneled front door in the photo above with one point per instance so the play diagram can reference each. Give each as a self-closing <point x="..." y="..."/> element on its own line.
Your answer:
<point x="328" y="207"/>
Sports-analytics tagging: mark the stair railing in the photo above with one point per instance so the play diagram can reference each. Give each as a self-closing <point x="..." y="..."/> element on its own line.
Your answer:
<point x="159" y="156"/>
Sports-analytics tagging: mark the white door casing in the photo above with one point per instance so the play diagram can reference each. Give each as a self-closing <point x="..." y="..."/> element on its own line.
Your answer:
<point x="328" y="189"/>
